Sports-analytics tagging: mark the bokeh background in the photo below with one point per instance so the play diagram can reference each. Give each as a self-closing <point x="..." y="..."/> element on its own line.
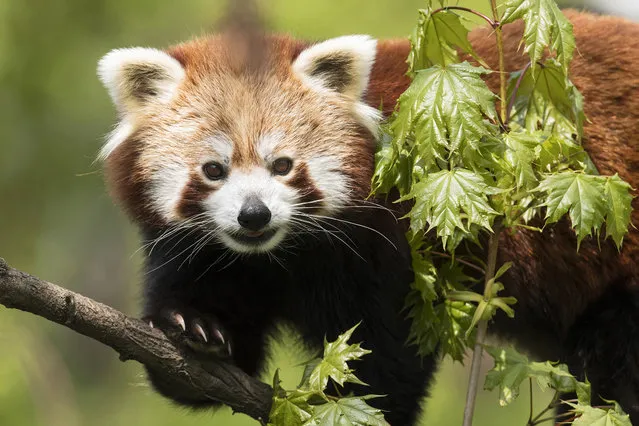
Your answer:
<point x="57" y="222"/>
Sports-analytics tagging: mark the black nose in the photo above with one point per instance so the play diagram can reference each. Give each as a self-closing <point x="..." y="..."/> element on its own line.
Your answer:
<point x="254" y="215"/>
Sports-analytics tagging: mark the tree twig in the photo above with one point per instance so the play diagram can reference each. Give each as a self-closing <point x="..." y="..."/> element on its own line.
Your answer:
<point x="492" y="23"/>
<point x="133" y="339"/>
<point x="482" y="327"/>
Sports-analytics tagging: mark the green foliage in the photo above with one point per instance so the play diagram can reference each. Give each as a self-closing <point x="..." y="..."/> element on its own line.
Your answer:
<point x="512" y="368"/>
<point x="333" y="363"/>
<point x="468" y="172"/>
<point x="454" y="202"/>
<point x="347" y="412"/>
<point x="545" y="26"/>
<point x="309" y="405"/>
<point x="445" y="33"/>
<point x="591" y="416"/>
<point x="437" y="321"/>
<point x="546" y="100"/>
<point x="589" y="199"/>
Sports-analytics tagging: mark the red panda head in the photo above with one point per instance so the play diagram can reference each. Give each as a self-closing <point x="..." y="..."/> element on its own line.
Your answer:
<point x="242" y="149"/>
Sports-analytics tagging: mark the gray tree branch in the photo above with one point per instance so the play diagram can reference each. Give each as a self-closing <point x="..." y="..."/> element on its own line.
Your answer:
<point x="135" y="340"/>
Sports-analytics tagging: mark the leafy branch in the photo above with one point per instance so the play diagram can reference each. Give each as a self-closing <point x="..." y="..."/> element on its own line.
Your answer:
<point x="472" y="173"/>
<point x="310" y="404"/>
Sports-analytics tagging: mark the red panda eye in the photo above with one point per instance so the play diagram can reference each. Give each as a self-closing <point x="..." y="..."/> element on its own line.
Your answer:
<point x="282" y="166"/>
<point x="213" y="171"/>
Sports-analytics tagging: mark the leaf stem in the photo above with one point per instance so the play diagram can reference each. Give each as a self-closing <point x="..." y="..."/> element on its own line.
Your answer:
<point x="513" y="95"/>
<point x="462" y="261"/>
<point x="552" y="404"/>
<point x="492" y="23"/>
<point x="530" y="386"/>
<point x="502" y="67"/>
<point x="482" y="327"/>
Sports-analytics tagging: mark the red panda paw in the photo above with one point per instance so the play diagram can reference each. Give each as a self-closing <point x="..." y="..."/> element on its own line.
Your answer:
<point x="195" y="333"/>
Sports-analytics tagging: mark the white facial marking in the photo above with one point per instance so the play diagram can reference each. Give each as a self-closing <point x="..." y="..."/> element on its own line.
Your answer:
<point x="221" y="145"/>
<point x="325" y="173"/>
<point x="167" y="187"/>
<point x="224" y="206"/>
<point x="267" y="144"/>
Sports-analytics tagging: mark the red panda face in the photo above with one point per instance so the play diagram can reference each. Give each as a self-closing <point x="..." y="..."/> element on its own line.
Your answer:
<point x="248" y="153"/>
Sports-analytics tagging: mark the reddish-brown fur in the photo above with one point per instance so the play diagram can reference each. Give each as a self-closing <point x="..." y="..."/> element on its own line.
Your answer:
<point x="225" y="92"/>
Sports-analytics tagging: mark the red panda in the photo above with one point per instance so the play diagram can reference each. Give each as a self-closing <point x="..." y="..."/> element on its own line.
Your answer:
<point x="247" y="166"/>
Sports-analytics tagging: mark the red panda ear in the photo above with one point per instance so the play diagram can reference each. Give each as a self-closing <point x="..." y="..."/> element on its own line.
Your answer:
<point x="138" y="76"/>
<point x="341" y="64"/>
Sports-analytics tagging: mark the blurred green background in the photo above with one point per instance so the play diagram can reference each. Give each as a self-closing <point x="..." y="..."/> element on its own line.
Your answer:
<point x="57" y="222"/>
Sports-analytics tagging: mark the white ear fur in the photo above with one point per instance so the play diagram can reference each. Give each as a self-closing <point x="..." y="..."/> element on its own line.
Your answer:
<point x="137" y="76"/>
<point x="341" y="65"/>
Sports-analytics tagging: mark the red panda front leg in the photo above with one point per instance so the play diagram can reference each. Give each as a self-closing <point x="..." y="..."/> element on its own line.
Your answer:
<point x="195" y="334"/>
<point x="200" y="335"/>
<point x="201" y="316"/>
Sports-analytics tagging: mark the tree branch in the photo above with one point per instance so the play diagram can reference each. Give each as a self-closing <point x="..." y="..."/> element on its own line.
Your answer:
<point x="134" y="339"/>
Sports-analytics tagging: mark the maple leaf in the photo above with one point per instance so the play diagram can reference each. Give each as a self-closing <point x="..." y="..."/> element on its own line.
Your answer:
<point x="442" y="197"/>
<point x="436" y="39"/>
<point x="547" y="100"/>
<point x="347" y="412"/>
<point x="334" y="362"/>
<point x="544" y="26"/>
<point x="444" y="109"/>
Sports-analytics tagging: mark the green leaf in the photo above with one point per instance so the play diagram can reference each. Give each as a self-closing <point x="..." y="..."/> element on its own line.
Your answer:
<point x="512" y="368"/>
<point x="451" y="201"/>
<point x="520" y="154"/>
<point x="394" y="166"/>
<point x="503" y="269"/>
<point x="619" y="200"/>
<point x="419" y="301"/>
<point x="436" y="39"/>
<point x="557" y="153"/>
<point x="347" y="412"/>
<point x="441" y="326"/>
<point x="579" y="194"/>
<point x="583" y="392"/>
<point x="544" y="26"/>
<point x="423" y="332"/>
<point x="442" y="110"/>
<point x="547" y="100"/>
<point x="453" y="320"/>
<point x="598" y="417"/>
<point x="292" y="409"/>
<point x="334" y="363"/>
<point x="589" y="200"/>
